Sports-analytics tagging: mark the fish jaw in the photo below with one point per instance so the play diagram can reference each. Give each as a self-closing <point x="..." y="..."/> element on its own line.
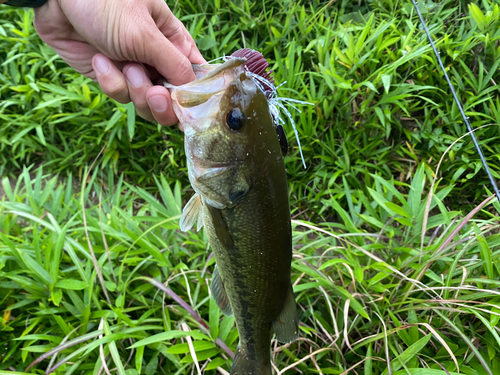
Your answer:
<point x="196" y="102"/>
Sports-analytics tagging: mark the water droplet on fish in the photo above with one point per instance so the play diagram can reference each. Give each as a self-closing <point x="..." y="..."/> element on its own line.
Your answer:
<point x="255" y="291"/>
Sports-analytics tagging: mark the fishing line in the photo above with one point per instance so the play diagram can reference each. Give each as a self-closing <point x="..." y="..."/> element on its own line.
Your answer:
<point x="457" y="101"/>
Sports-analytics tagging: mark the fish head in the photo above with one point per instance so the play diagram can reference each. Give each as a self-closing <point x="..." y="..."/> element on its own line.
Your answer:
<point x="228" y="127"/>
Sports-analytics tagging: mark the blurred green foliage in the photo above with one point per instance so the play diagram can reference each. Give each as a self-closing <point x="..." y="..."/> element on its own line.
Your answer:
<point x="93" y="276"/>
<point x="380" y="103"/>
<point x="389" y="279"/>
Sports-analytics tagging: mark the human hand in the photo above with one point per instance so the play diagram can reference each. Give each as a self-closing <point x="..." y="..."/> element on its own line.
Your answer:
<point x="123" y="44"/>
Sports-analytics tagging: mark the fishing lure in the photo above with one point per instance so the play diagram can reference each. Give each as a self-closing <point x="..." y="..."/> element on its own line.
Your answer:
<point x="256" y="66"/>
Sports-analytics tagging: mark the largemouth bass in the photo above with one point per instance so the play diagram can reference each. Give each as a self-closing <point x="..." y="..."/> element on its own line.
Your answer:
<point x="236" y="167"/>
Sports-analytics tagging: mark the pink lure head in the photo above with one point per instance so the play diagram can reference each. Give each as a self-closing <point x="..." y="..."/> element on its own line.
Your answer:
<point x="257" y="64"/>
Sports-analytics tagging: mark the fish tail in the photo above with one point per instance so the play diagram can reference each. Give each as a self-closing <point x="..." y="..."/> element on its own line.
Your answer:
<point x="243" y="365"/>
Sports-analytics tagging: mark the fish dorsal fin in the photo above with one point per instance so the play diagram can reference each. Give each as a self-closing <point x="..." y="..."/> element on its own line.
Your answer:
<point x="286" y="326"/>
<point x="192" y="212"/>
<point x="219" y="293"/>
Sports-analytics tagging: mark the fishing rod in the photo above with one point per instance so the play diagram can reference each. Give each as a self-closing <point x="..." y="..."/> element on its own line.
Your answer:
<point x="460" y="108"/>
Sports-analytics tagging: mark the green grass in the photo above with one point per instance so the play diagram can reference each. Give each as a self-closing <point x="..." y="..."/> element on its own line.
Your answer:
<point x="381" y="104"/>
<point x="389" y="280"/>
<point x="81" y="275"/>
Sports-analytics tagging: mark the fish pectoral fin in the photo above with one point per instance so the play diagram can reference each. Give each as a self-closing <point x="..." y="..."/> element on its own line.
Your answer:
<point x="219" y="293"/>
<point x="286" y="326"/>
<point x="192" y="212"/>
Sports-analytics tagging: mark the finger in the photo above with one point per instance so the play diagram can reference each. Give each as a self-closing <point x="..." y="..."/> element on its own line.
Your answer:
<point x="110" y="78"/>
<point x="184" y="42"/>
<point x="176" y="32"/>
<point x="160" y="103"/>
<point x="138" y="84"/>
<point x="168" y="60"/>
<point x="159" y="52"/>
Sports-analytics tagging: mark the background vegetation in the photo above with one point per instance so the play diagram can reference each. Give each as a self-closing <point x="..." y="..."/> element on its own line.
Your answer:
<point x="396" y="262"/>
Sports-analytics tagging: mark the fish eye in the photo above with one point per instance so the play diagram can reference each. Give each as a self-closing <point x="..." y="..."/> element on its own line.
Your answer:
<point x="235" y="119"/>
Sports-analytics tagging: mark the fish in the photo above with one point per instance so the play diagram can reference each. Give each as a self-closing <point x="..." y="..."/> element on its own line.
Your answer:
<point x="236" y="168"/>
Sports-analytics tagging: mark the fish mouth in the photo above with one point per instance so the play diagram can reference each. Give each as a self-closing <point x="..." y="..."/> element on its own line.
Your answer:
<point x="211" y="80"/>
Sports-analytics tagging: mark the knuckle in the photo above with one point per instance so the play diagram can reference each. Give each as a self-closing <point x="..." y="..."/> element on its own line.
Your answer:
<point x="185" y="71"/>
<point x="177" y="28"/>
<point x="117" y="92"/>
<point x="116" y="89"/>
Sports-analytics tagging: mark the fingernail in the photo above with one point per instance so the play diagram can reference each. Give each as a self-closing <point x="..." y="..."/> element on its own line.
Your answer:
<point x="102" y="64"/>
<point x="158" y="103"/>
<point x="135" y="76"/>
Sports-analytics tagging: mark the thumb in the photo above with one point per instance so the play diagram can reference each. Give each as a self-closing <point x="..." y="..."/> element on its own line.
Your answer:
<point x="162" y="55"/>
<point x="172" y="30"/>
<point x="176" y="32"/>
